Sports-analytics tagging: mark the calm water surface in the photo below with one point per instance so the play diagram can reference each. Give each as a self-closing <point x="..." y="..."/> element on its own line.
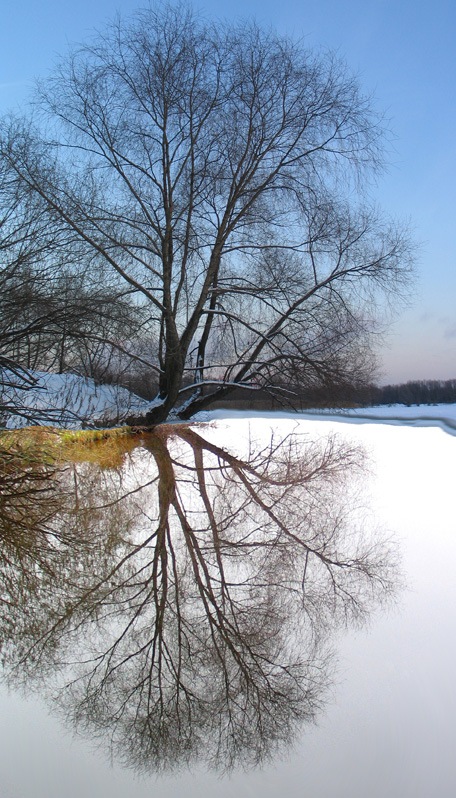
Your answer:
<point x="179" y="605"/>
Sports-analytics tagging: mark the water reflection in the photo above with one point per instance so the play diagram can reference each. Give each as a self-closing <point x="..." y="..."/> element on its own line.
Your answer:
<point x="178" y="602"/>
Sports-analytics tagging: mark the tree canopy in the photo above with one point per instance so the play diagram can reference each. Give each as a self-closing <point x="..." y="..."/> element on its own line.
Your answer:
<point x="216" y="172"/>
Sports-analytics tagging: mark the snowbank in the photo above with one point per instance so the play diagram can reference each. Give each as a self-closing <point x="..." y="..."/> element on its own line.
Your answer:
<point x="442" y="416"/>
<point x="67" y="400"/>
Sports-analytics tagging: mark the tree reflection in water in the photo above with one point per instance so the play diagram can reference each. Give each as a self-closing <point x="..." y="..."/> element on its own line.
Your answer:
<point x="180" y="606"/>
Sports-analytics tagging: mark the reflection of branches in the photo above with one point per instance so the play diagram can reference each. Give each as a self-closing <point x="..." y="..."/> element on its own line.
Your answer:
<point x="26" y="505"/>
<point x="192" y="617"/>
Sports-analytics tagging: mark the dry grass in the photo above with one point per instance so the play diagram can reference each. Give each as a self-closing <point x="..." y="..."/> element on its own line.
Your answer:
<point x="49" y="445"/>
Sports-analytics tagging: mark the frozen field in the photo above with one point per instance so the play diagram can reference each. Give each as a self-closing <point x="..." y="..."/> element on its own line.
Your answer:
<point x="443" y="416"/>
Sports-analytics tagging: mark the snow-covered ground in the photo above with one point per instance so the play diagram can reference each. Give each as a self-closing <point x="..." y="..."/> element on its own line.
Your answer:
<point x="389" y="731"/>
<point x="443" y="415"/>
<point x="67" y="400"/>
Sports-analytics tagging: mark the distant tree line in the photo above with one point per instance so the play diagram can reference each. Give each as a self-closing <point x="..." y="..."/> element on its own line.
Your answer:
<point x="340" y="395"/>
<point x="415" y="392"/>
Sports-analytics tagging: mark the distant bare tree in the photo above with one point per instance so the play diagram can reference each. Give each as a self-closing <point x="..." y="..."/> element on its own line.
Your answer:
<point x="213" y="168"/>
<point x="190" y="605"/>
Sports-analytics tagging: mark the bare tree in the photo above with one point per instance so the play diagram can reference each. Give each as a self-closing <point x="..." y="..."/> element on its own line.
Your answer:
<point x="59" y="310"/>
<point x="184" y="602"/>
<point x="213" y="168"/>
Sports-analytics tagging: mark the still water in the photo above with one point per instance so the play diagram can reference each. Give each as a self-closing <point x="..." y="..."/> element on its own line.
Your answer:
<point x="183" y="604"/>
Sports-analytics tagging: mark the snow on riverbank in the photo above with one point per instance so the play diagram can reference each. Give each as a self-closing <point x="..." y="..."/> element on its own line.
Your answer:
<point x="68" y="400"/>
<point x="442" y="416"/>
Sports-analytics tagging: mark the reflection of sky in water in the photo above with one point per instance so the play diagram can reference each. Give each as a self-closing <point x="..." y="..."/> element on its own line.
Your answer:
<point x="388" y="731"/>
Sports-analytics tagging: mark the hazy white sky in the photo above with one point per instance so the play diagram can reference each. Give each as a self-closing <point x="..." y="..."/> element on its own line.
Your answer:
<point x="403" y="52"/>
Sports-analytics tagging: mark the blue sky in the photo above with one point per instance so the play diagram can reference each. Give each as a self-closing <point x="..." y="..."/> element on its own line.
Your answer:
<point x="404" y="53"/>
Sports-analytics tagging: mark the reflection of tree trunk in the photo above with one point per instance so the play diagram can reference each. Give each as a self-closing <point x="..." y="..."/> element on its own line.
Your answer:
<point x="197" y="600"/>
